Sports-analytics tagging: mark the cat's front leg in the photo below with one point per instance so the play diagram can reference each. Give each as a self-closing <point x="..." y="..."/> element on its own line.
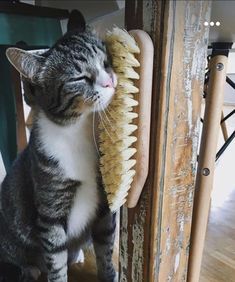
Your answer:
<point x="57" y="267"/>
<point x="55" y="254"/>
<point x="103" y="239"/>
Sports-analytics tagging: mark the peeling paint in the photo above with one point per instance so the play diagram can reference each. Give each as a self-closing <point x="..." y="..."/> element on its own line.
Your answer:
<point x="190" y="199"/>
<point x="177" y="262"/>
<point x="150" y="9"/>
<point x="169" y="278"/>
<point x="195" y="143"/>
<point x="124" y="246"/>
<point x="195" y="54"/>
<point x="138" y="242"/>
<point x="182" y="224"/>
<point x="190" y="114"/>
<point x="168" y="243"/>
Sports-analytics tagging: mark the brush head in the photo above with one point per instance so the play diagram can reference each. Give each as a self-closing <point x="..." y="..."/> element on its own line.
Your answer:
<point x="116" y="140"/>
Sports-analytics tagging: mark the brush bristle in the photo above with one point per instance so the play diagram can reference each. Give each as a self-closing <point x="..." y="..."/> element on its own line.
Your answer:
<point x="116" y="141"/>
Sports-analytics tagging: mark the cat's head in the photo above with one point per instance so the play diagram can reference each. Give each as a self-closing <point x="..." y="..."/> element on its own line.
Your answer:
<point x="71" y="78"/>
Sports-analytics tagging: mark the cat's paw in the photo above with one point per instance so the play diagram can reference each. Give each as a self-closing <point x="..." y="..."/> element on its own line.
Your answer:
<point x="116" y="277"/>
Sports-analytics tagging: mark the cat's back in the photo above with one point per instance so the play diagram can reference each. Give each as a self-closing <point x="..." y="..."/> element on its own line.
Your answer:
<point x="17" y="211"/>
<point x="17" y="172"/>
<point x="16" y="192"/>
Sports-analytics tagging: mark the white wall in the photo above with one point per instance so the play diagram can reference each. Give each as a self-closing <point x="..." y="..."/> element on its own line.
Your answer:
<point x="231" y="63"/>
<point x="102" y="24"/>
<point x="32" y="2"/>
<point x="223" y="11"/>
<point x="91" y="9"/>
<point x="102" y="15"/>
<point x="229" y="92"/>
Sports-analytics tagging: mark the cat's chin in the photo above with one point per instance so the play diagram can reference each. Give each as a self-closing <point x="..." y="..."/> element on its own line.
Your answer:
<point x="102" y="104"/>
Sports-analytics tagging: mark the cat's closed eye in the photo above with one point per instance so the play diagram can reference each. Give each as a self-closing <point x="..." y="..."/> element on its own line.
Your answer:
<point x="87" y="79"/>
<point x="81" y="78"/>
<point x="107" y="65"/>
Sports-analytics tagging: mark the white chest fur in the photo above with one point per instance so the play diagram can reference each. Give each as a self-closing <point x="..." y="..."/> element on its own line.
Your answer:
<point x="73" y="147"/>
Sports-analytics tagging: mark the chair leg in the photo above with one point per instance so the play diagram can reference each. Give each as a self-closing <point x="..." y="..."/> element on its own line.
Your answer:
<point x="224" y="128"/>
<point x="206" y="163"/>
<point x="20" y="123"/>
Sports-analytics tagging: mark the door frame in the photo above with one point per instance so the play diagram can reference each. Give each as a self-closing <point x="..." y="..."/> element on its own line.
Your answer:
<point x="155" y="235"/>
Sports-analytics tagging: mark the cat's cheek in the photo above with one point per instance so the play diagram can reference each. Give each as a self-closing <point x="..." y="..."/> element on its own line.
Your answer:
<point x="80" y="107"/>
<point x="105" y="95"/>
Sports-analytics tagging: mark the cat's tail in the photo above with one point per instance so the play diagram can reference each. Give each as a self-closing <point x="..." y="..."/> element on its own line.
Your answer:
<point x="10" y="273"/>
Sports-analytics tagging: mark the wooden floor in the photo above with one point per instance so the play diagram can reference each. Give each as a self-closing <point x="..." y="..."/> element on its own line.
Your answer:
<point x="86" y="272"/>
<point x="219" y="253"/>
<point x="81" y="272"/>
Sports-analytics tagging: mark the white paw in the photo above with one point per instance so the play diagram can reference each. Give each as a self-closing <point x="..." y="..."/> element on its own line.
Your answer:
<point x="116" y="277"/>
<point x="80" y="257"/>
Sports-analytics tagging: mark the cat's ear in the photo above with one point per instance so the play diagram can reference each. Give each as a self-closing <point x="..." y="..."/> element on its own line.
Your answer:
<point x="76" y="21"/>
<point x="26" y="63"/>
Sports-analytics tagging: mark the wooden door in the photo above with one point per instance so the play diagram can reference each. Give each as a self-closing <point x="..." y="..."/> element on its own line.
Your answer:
<point x="155" y="236"/>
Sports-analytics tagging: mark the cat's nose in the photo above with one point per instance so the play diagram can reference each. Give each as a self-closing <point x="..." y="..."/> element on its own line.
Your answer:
<point x="107" y="83"/>
<point x="106" y="80"/>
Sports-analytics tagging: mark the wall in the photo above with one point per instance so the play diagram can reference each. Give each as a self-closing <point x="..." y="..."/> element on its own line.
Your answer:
<point x="32" y="2"/>
<point x="223" y="11"/>
<point x="90" y="9"/>
<point x="229" y="92"/>
<point x="102" y="15"/>
<point x="105" y="23"/>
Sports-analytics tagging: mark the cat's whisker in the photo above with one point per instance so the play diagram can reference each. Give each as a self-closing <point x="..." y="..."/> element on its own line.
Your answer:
<point x="107" y="118"/>
<point x="102" y="108"/>
<point x="109" y="112"/>
<point x="102" y="121"/>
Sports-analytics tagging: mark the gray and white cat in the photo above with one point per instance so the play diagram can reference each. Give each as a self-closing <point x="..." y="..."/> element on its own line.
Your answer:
<point x="52" y="200"/>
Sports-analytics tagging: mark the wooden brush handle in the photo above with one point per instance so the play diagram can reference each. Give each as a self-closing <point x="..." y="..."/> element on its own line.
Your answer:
<point x="144" y="98"/>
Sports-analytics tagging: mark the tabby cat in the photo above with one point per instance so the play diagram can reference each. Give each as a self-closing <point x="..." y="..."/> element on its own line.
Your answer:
<point x="52" y="201"/>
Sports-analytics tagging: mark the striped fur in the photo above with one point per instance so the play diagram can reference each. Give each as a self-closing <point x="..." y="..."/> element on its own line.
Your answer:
<point x="52" y="201"/>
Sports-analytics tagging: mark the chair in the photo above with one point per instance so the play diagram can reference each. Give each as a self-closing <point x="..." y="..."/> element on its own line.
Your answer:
<point x="37" y="26"/>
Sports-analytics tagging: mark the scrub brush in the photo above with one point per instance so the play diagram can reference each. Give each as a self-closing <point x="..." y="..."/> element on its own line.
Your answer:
<point x="124" y="139"/>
